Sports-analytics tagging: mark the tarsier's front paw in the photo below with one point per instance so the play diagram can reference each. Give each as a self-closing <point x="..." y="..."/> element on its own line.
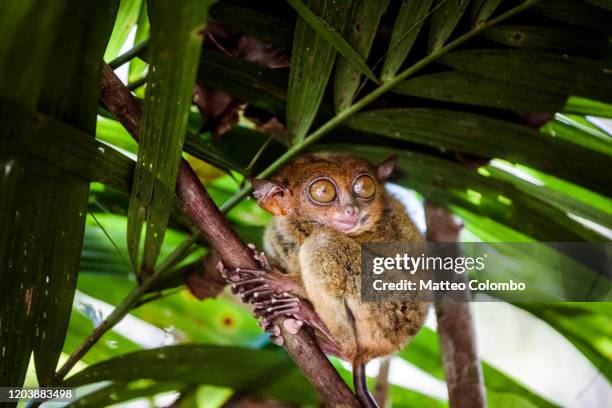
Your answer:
<point x="269" y="291"/>
<point x="256" y="285"/>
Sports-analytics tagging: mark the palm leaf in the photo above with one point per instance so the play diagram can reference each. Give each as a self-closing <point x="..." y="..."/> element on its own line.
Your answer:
<point x="361" y="29"/>
<point x="579" y="13"/>
<point x="39" y="262"/>
<point x="444" y="20"/>
<point x="483" y="9"/>
<point x="407" y="25"/>
<point x="471" y="133"/>
<point x="552" y="72"/>
<point x="473" y="89"/>
<point x="127" y="16"/>
<point x="137" y="66"/>
<point x="267" y="372"/>
<point x="164" y="123"/>
<point x="312" y="58"/>
<point x="564" y="40"/>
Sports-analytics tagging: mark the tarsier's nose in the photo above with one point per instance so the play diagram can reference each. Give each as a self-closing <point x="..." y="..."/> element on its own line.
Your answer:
<point x="350" y="210"/>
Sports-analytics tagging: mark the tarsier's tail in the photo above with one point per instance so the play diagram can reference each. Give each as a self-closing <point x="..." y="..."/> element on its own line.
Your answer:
<point x="361" y="387"/>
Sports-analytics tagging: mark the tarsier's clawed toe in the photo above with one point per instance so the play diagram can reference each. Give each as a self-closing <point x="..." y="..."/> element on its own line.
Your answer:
<point x="290" y="324"/>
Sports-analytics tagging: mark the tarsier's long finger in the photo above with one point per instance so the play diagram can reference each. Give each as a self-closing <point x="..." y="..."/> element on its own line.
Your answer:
<point x="240" y="283"/>
<point x="263" y="261"/>
<point x="269" y="326"/>
<point x="221" y="268"/>
<point x="261" y="294"/>
<point x="260" y="257"/>
<point x="284" y="312"/>
<point x="286" y="309"/>
<point x="256" y="292"/>
<point x="276" y="301"/>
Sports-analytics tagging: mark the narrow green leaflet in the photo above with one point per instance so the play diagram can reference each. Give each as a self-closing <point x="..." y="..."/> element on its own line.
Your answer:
<point x="474" y="89"/>
<point x="564" y="202"/>
<point x="482" y="10"/>
<point x="116" y="393"/>
<point x="548" y="71"/>
<point x="607" y="4"/>
<point x="488" y="137"/>
<point x="39" y="261"/>
<point x="312" y="58"/>
<point x="575" y="12"/>
<point x="587" y="325"/>
<point x="333" y="37"/>
<point x="126" y="19"/>
<point x="407" y="25"/>
<point x="112" y="132"/>
<point x="22" y="65"/>
<point x="568" y="127"/>
<point x="69" y="148"/>
<point x="71" y="93"/>
<point x="444" y="20"/>
<point x="565" y="40"/>
<point x="176" y="37"/>
<point x="267" y="372"/>
<point x="584" y="106"/>
<point x="137" y="66"/>
<point x="361" y="29"/>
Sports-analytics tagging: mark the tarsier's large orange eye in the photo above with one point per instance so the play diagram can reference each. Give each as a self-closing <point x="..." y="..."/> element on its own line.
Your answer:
<point x="364" y="187"/>
<point x="322" y="191"/>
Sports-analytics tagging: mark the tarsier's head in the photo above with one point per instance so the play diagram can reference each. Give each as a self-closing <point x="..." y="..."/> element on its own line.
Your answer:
<point x="345" y="192"/>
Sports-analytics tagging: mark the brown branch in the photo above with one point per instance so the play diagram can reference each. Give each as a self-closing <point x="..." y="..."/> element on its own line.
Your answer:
<point x="381" y="390"/>
<point x="456" y="327"/>
<point x="199" y="207"/>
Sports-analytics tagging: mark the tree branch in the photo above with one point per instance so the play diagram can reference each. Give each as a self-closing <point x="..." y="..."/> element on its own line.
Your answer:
<point x="199" y="207"/>
<point x="456" y="327"/>
<point x="381" y="391"/>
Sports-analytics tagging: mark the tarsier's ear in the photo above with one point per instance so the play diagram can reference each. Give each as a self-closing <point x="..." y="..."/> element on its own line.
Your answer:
<point x="384" y="169"/>
<point x="270" y="196"/>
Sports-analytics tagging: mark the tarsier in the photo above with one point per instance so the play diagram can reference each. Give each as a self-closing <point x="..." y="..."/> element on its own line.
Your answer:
<point x="325" y="205"/>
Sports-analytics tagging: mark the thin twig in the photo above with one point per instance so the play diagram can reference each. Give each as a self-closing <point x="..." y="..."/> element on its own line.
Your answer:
<point x="121" y="310"/>
<point x="381" y="390"/>
<point x="137" y="83"/>
<point x="129" y="54"/>
<point x="456" y="326"/>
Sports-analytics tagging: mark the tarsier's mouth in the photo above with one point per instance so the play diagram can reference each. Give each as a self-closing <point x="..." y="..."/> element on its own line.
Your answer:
<point x="346" y="224"/>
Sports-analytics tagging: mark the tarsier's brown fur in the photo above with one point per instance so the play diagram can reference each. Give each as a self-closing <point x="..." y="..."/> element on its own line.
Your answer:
<point x="326" y="261"/>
